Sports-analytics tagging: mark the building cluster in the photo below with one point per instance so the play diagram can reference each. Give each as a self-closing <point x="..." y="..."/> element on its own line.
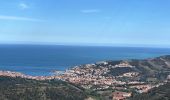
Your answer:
<point x="129" y="74"/>
<point x="96" y="74"/>
<point x="121" y="95"/>
<point x="11" y="74"/>
<point x="88" y="74"/>
<point x="142" y="88"/>
<point x="123" y="64"/>
<point x="17" y="74"/>
<point x="96" y="77"/>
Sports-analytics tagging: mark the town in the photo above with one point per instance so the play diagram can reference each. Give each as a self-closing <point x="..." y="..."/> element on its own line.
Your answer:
<point x="98" y="77"/>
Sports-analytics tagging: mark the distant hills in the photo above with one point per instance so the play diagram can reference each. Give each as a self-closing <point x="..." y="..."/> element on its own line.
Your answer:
<point x="152" y="69"/>
<point x="158" y="67"/>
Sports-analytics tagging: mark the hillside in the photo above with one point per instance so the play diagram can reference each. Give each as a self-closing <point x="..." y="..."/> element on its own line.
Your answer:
<point x="132" y="76"/>
<point x="98" y="81"/>
<point x="160" y="93"/>
<point x="26" y="89"/>
<point x="158" y="67"/>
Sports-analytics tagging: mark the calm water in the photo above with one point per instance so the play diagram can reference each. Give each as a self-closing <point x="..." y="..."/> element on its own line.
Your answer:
<point x="41" y="59"/>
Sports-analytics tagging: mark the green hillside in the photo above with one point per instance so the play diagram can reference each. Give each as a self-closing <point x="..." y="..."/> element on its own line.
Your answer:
<point x="25" y="89"/>
<point x="160" y="93"/>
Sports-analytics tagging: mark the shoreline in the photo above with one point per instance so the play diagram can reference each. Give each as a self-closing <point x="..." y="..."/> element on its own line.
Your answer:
<point x="21" y="75"/>
<point x="132" y="75"/>
<point x="55" y="73"/>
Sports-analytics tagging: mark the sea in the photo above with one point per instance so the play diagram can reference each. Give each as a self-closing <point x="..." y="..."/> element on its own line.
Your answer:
<point x="42" y="60"/>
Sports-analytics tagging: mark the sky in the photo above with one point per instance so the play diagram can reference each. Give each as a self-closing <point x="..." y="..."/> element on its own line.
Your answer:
<point x="85" y="22"/>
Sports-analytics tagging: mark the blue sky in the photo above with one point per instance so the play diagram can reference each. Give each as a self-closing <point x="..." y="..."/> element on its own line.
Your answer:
<point x="86" y="22"/>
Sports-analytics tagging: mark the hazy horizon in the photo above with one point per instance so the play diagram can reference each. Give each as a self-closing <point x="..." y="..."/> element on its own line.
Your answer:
<point x="90" y="44"/>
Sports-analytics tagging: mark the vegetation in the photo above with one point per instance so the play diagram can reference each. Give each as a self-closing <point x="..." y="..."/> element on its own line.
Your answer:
<point x="151" y="71"/>
<point x="120" y="71"/>
<point x="26" y="89"/>
<point x="160" y="93"/>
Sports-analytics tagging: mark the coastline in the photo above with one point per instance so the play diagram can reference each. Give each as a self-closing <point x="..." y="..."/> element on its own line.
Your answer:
<point x="55" y="74"/>
<point x="132" y="75"/>
<point x="41" y="60"/>
<point x="21" y="75"/>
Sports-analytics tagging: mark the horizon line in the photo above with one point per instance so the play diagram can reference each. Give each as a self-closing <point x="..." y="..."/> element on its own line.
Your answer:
<point x="93" y="44"/>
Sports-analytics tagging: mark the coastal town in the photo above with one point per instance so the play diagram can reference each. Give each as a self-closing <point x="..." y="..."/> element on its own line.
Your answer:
<point x="97" y="77"/>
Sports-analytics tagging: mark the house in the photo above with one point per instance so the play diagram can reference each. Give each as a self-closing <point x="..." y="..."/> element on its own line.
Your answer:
<point x="121" y="95"/>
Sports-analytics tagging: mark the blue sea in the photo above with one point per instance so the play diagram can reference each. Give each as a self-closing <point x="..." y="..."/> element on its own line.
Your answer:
<point x="43" y="59"/>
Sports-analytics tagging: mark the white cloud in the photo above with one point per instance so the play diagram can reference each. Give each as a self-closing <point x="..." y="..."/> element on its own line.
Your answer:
<point x="90" y="11"/>
<point x="23" y="6"/>
<point x="2" y="17"/>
